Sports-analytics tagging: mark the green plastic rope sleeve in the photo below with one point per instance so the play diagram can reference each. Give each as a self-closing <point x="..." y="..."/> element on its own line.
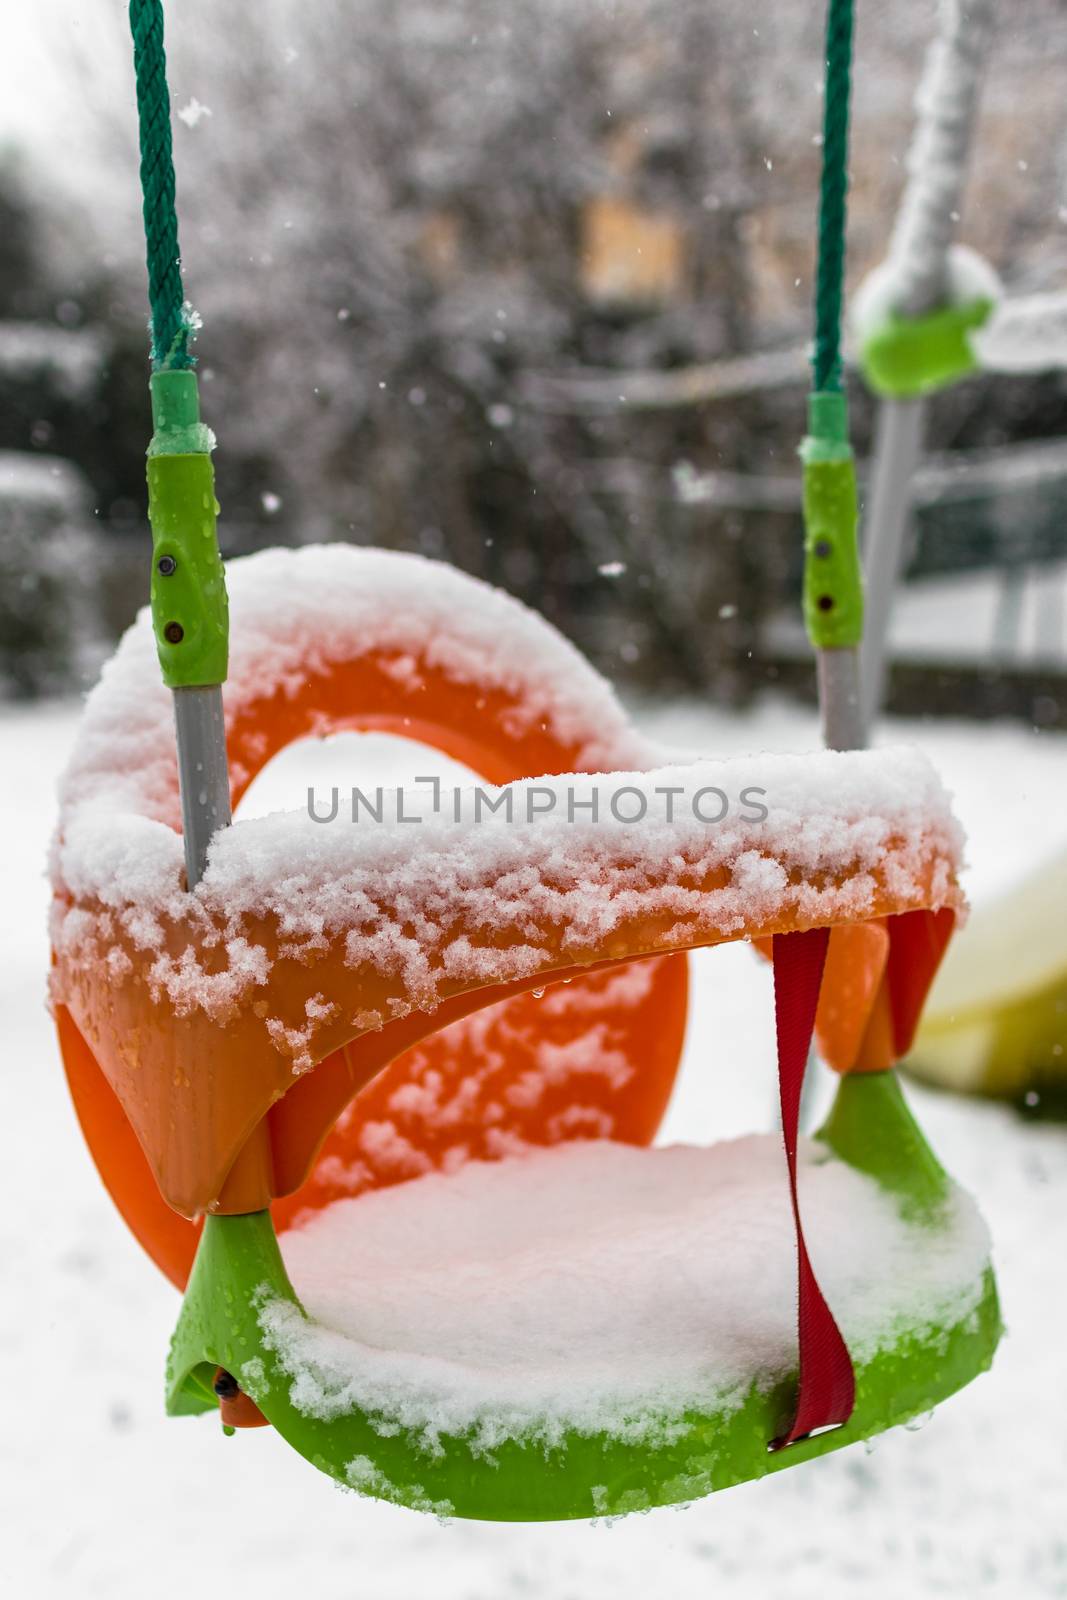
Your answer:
<point x="190" y="614"/>
<point x="906" y="357"/>
<point x="178" y="430"/>
<point x="833" y="586"/>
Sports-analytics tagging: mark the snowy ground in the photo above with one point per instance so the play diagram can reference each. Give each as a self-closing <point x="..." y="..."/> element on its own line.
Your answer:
<point x="101" y="1495"/>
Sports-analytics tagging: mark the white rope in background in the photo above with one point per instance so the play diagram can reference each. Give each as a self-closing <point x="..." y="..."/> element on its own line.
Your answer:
<point x="945" y="104"/>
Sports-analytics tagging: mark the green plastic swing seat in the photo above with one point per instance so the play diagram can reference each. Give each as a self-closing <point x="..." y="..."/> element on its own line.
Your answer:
<point x="239" y="1267"/>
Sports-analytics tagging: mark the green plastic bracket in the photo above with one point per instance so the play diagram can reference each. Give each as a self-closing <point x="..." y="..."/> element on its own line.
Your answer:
<point x="870" y="1127"/>
<point x="833" y="586"/>
<point x="239" y="1266"/>
<point x="190" y="614"/>
<point x="906" y="357"/>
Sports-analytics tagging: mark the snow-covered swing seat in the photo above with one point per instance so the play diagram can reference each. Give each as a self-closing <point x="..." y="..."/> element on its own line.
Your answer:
<point x="379" y="1094"/>
<point x="431" y="1056"/>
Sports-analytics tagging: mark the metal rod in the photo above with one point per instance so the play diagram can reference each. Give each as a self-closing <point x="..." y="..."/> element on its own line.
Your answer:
<point x="897" y="451"/>
<point x="203" y="773"/>
<point x="838" y="672"/>
<point x="1007" y="620"/>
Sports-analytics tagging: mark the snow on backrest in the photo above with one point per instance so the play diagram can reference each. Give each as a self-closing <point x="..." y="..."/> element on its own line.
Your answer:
<point x="294" y="610"/>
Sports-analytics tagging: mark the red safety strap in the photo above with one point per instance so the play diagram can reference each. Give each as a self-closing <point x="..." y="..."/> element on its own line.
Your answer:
<point x="826" y="1391"/>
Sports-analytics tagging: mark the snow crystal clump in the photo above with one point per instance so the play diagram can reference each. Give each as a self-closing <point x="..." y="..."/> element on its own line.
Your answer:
<point x="447" y="904"/>
<point x="492" y="885"/>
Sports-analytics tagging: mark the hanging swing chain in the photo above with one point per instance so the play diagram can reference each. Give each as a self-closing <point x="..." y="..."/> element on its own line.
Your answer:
<point x="170" y="318"/>
<point x="833" y="189"/>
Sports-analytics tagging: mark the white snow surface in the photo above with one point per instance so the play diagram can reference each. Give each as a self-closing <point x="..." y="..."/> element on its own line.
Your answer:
<point x="1028" y="334"/>
<point x="104" y="1496"/>
<point x="599" y="1287"/>
<point x="426" y="901"/>
<point x="46" y="481"/>
<point x="70" y="358"/>
<point x="291" y="611"/>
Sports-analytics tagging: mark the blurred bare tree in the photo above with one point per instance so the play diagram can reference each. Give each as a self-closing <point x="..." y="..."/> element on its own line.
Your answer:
<point x="440" y="246"/>
<point x="393" y="216"/>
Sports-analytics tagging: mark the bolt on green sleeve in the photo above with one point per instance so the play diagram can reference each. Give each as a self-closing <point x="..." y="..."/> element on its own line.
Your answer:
<point x="833" y="586"/>
<point x="190" y="614"/>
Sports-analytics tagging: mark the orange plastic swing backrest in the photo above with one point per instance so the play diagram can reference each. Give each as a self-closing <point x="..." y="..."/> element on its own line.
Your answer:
<point x="220" y="1115"/>
<point x="473" y="1088"/>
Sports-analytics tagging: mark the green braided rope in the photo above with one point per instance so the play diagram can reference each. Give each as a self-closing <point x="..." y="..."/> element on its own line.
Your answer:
<point x="170" y="321"/>
<point x="829" y="282"/>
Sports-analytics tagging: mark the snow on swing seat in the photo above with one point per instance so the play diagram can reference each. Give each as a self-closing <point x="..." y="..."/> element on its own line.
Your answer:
<point x="601" y="1289"/>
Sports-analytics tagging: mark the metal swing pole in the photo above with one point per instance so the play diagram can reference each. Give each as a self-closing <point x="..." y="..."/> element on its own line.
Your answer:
<point x="926" y="221"/>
